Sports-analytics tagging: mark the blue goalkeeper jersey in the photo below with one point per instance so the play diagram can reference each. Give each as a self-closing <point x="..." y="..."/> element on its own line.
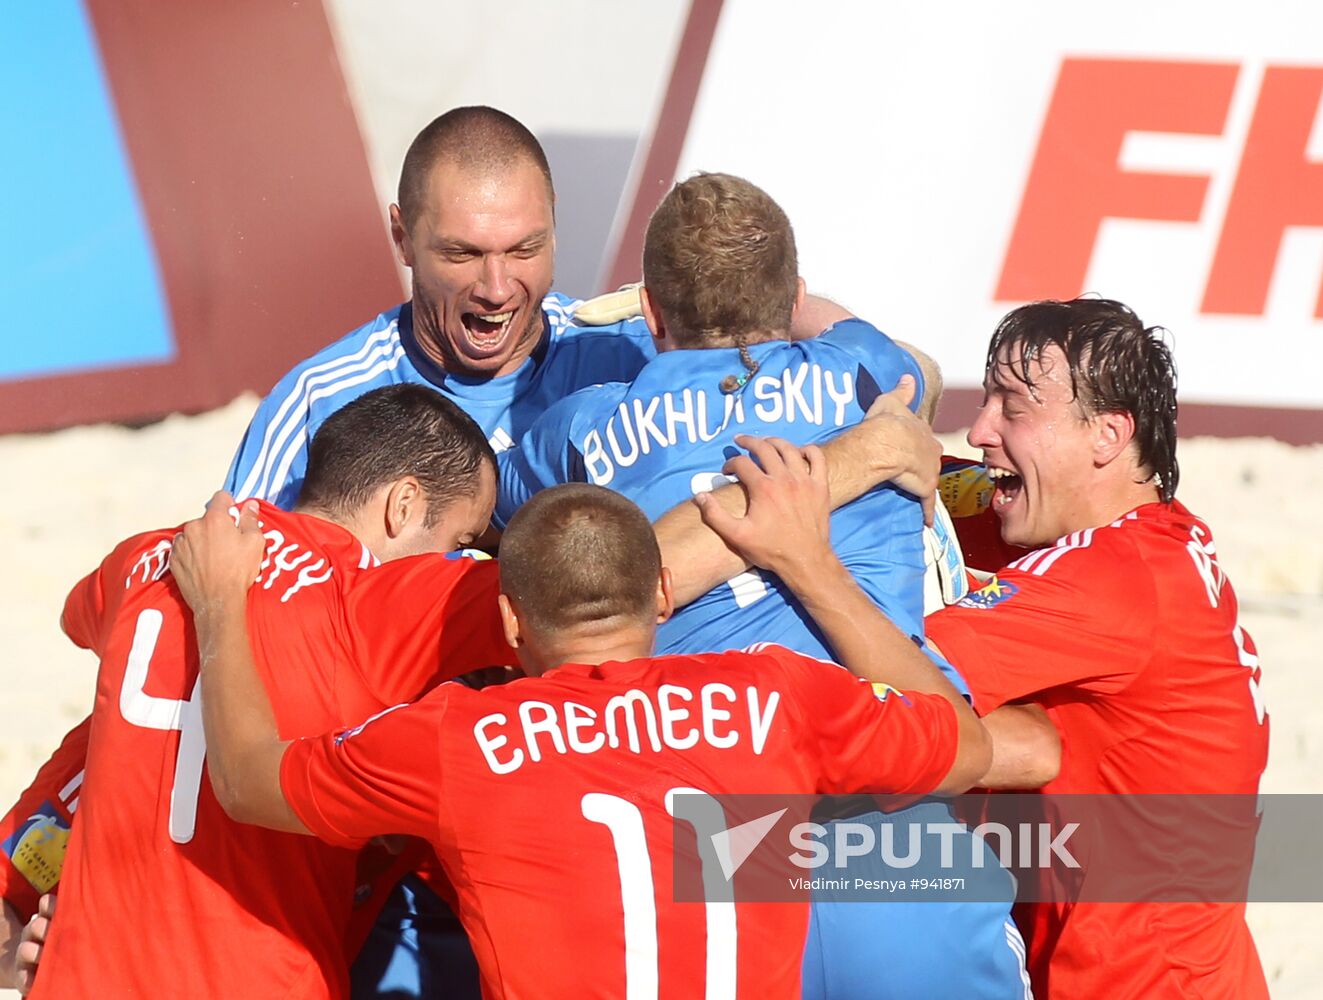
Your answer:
<point x="666" y="435"/>
<point x="273" y="456"/>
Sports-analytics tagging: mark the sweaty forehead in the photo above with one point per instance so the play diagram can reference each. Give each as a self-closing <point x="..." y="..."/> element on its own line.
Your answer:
<point x="512" y="189"/>
<point x="1023" y="369"/>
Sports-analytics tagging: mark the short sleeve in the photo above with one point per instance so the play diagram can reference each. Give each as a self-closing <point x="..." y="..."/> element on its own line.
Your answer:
<point x="415" y="622"/>
<point x="381" y="777"/>
<point x="872" y="737"/>
<point x="81" y="617"/>
<point x="541" y="458"/>
<point x="1079" y="614"/>
<point x="883" y="360"/>
<point x="35" y="832"/>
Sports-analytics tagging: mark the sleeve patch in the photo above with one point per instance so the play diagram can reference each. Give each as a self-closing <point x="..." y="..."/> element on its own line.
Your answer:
<point x="477" y="555"/>
<point x="989" y="595"/>
<point x="883" y="691"/>
<point x="36" y="849"/>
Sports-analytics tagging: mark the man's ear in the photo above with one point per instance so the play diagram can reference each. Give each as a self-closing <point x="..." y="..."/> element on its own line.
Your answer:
<point x="399" y="234"/>
<point x="406" y="505"/>
<point x="1113" y="432"/>
<point x="509" y="621"/>
<point x="665" y="596"/>
<point x="801" y="292"/>
<point x="651" y="315"/>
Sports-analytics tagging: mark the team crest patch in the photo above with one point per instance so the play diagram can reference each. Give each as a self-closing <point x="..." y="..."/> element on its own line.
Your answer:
<point x="883" y="691"/>
<point x="475" y="554"/>
<point x="989" y="595"/>
<point x="36" y="849"/>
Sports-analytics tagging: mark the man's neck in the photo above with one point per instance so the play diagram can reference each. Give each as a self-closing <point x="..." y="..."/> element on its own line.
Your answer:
<point x="626" y="643"/>
<point x="349" y="525"/>
<point x="723" y="342"/>
<point x="1107" y="506"/>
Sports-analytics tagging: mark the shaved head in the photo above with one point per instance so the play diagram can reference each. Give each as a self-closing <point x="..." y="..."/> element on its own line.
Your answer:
<point x="580" y="554"/>
<point x="477" y="139"/>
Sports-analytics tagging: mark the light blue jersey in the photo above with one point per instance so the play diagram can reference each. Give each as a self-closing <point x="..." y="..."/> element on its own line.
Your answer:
<point x="273" y="457"/>
<point x="664" y="437"/>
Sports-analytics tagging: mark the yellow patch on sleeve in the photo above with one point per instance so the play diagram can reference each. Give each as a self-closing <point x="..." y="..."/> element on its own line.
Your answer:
<point x="37" y="849"/>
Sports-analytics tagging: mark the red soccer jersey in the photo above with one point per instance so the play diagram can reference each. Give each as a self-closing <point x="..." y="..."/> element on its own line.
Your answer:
<point x="1128" y="635"/>
<point x="162" y="894"/>
<point x="546" y="802"/>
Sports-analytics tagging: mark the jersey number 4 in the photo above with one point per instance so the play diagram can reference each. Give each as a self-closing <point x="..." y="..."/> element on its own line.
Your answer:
<point x="149" y="712"/>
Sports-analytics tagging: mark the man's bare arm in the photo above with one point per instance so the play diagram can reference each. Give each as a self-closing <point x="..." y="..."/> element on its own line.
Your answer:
<point x="1026" y="748"/>
<point x="933" y="383"/>
<point x="214" y="565"/>
<point x="890" y="445"/>
<point x="786" y="530"/>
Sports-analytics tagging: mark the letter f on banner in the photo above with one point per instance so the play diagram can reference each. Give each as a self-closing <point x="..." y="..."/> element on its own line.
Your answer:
<point x="1076" y="180"/>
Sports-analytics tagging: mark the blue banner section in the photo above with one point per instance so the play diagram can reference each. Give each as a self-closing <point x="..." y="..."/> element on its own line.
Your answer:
<point x="78" y="274"/>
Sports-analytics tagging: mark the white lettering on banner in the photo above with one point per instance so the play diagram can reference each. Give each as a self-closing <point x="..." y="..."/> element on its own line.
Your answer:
<point x="638" y="426"/>
<point x="637" y="721"/>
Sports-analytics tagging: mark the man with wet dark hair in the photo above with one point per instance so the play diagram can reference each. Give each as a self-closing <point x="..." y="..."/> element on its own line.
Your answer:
<point x="1120" y="621"/>
<point x="1113" y="364"/>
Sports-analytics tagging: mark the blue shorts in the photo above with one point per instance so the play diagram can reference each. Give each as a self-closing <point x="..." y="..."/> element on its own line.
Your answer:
<point x="417" y="948"/>
<point x="904" y="950"/>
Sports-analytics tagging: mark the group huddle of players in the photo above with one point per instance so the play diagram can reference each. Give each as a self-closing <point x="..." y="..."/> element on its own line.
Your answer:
<point x="336" y="751"/>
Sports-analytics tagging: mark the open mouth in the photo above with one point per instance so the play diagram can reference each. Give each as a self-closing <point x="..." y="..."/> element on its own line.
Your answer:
<point x="1007" y="487"/>
<point x="487" y="332"/>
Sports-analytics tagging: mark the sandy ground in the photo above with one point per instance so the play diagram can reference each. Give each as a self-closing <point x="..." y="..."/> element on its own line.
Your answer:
<point x="73" y="494"/>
